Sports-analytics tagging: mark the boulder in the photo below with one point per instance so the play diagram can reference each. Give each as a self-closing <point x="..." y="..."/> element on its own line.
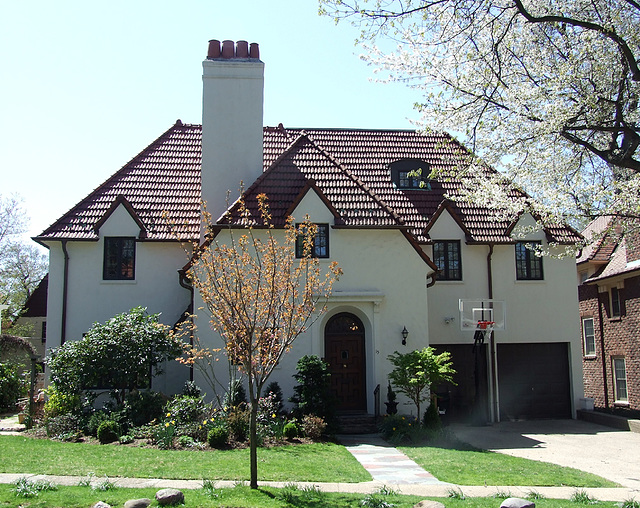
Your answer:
<point x="516" y="502"/>
<point x="428" y="504"/>
<point x="169" y="496"/>
<point x="100" y="504"/>
<point x="138" y="503"/>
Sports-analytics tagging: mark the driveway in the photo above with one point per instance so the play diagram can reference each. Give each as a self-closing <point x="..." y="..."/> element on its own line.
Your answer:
<point x="610" y="453"/>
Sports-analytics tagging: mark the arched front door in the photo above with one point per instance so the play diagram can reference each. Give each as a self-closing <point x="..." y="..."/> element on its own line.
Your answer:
<point x="344" y="352"/>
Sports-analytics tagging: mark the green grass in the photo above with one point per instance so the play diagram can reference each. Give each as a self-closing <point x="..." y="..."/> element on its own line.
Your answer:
<point x="242" y="496"/>
<point x="479" y="467"/>
<point x="320" y="462"/>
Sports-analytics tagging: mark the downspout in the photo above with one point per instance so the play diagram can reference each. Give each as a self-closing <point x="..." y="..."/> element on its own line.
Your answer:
<point x="65" y="284"/>
<point x="492" y="344"/>
<point x="183" y="281"/>
<point x="604" y="360"/>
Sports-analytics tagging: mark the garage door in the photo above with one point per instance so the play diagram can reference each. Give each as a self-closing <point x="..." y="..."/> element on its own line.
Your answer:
<point x="533" y="380"/>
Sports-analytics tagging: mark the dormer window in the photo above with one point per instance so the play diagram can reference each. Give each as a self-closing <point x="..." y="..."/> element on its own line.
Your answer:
<point x="410" y="174"/>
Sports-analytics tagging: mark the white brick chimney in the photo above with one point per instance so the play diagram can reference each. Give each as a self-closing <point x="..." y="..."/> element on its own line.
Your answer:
<point x="232" y="102"/>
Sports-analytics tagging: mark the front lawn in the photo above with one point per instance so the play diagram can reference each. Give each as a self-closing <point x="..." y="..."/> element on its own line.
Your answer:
<point x="319" y="462"/>
<point x="479" y="467"/>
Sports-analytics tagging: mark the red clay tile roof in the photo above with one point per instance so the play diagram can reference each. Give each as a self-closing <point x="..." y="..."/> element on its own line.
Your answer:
<point x="349" y="169"/>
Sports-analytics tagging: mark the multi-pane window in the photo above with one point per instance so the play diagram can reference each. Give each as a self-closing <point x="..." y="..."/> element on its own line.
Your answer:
<point x="408" y="181"/>
<point x="615" y="302"/>
<point x="528" y="265"/>
<point x="620" y="378"/>
<point x="446" y="256"/>
<point x="588" y="337"/>
<point x="320" y="247"/>
<point x="119" y="258"/>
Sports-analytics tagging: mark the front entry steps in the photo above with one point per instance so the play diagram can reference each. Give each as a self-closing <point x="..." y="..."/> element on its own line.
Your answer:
<point x="357" y="423"/>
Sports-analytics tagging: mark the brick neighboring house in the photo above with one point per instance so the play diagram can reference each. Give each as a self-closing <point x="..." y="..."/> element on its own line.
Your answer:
<point x="609" y="296"/>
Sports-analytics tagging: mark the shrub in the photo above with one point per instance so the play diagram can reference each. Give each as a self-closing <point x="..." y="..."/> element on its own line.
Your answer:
<point x="397" y="428"/>
<point x="62" y="427"/>
<point x="312" y="394"/>
<point x="185" y="441"/>
<point x="12" y="386"/>
<point x="291" y="430"/>
<point x="108" y="432"/>
<point x="142" y="407"/>
<point x="273" y="389"/>
<point x="191" y="389"/>
<point x="236" y="396"/>
<point x="60" y="402"/>
<point x="218" y="437"/>
<point x="126" y="439"/>
<point x="94" y="421"/>
<point x="431" y="419"/>
<point x="313" y="427"/>
<point x="238" y="424"/>
<point x="186" y="409"/>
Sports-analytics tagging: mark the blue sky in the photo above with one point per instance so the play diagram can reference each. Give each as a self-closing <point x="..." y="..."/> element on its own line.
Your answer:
<point x="85" y="86"/>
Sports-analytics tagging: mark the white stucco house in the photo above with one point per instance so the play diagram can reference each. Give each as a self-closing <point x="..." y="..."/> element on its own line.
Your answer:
<point x="408" y="253"/>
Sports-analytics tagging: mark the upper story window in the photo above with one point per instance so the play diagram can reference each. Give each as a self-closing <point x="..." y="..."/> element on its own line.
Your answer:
<point x="320" y="247"/>
<point x="446" y="256"/>
<point x="615" y="302"/>
<point x="119" y="258"/>
<point x="410" y="174"/>
<point x="588" y="337"/>
<point x="528" y="265"/>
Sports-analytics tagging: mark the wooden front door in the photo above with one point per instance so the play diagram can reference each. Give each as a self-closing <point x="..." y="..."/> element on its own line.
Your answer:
<point x="345" y="354"/>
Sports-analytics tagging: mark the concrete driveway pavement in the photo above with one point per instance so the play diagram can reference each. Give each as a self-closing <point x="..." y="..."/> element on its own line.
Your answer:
<point x="610" y="453"/>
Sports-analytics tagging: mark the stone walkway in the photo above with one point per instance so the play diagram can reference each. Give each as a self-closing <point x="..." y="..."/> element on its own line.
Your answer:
<point x="385" y="463"/>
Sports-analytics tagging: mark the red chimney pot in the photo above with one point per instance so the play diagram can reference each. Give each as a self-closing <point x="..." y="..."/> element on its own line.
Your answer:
<point x="214" y="49"/>
<point x="228" y="49"/>
<point x="242" y="49"/>
<point x="254" y="50"/>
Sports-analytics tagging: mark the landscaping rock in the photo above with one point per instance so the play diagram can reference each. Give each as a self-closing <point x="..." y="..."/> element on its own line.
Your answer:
<point x="516" y="502"/>
<point x="138" y="503"/>
<point x="100" y="504"/>
<point x="169" y="496"/>
<point x="428" y="504"/>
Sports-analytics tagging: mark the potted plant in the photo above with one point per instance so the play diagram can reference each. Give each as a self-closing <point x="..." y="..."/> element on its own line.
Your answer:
<point x="392" y="405"/>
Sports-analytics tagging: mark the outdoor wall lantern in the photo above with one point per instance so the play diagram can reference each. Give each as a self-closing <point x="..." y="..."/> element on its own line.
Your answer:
<point x="405" y="334"/>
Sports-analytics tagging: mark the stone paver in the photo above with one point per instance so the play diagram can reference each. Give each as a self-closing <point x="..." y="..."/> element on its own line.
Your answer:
<point x="384" y="462"/>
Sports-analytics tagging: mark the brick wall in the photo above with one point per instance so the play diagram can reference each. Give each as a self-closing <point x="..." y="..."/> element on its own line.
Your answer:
<point x="622" y="338"/>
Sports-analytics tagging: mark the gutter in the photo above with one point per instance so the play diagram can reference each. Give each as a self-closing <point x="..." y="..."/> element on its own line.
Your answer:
<point x="603" y="352"/>
<point x="495" y="409"/>
<point x="65" y="286"/>
<point x="184" y="282"/>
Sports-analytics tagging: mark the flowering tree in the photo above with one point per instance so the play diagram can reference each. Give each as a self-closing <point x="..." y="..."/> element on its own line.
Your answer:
<point x="260" y="297"/>
<point x="546" y="90"/>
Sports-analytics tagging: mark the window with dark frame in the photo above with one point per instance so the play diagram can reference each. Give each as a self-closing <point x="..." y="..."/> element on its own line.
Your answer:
<point x="620" y="378"/>
<point x="588" y="336"/>
<point x="119" y="258"/>
<point x="528" y="265"/>
<point x="615" y="302"/>
<point x="446" y="256"/>
<point x="320" y="247"/>
<point x="410" y="174"/>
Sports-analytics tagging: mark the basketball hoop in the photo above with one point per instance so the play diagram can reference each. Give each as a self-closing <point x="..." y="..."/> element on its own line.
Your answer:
<point x="486" y="325"/>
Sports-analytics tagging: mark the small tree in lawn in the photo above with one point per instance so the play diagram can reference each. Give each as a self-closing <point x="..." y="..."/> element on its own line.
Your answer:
<point x="416" y="371"/>
<point x="260" y="297"/>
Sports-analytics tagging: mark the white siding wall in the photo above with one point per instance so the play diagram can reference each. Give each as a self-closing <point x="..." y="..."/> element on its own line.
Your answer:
<point x="536" y="311"/>
<point x="384" y="284"/>
<point x="91" y="299"/>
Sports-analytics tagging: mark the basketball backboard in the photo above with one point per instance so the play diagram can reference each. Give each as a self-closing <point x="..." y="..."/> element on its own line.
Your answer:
<point x="480" y="314"/>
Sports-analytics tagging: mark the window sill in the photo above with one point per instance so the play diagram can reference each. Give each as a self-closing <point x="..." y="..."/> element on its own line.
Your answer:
<point x="123" y="281"/>
<point x="621" y="403"/>
<point x="449" y="281"/>
<point x="615" y="318"/>
<point x="590" y="357"/>
<point x="529" y="281"/>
